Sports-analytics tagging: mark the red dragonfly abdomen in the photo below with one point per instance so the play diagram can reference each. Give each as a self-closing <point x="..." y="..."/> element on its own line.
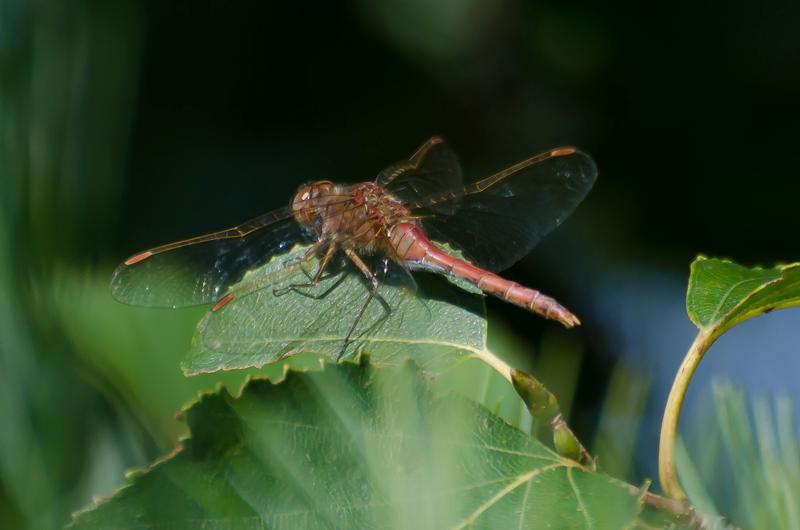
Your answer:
<point x="413" y="247"/>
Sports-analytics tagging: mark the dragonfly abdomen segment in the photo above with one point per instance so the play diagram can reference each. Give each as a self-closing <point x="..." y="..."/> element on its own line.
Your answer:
<point x="414" y="248"/>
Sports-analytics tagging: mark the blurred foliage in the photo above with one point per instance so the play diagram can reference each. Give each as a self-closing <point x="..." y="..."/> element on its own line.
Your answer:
<point x="128" y="123"/>
<point x="748" y="464"/>
<point x="360" y="447"/>
<point x="65" y="110"/>
<point x="764" y="450"/>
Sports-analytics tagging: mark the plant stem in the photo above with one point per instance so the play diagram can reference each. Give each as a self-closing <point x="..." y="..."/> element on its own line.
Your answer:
<point x="681" y="509"/>
<point x="667" y="472"/>
<point x="495" y="362"/>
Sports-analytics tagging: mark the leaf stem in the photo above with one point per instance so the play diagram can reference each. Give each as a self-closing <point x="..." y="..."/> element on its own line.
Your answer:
<point x="495" y="362"/>
<point x="667" y="472"/>
<point x="680" y="509"/>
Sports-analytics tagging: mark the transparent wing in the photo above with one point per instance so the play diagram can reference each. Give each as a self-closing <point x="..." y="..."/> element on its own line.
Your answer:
<point x="432" y="171"/>
<point x="259" y="326"/>
<point x="199" y="270"/>
<point x="498" y="220"/>
<point x="258" y="320"/>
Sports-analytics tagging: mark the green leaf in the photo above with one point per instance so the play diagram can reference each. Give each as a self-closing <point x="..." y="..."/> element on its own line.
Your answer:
<point x="722" y="293"/>
<point x="357" y="446"/>
<point x="430" y="320"/>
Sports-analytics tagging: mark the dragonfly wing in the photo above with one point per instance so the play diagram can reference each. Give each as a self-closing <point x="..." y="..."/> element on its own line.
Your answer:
<point x="501" y="218"/>
<point x="261" y="326"/>
<point x="432" y="171"/>
<point x="199" y="270"/>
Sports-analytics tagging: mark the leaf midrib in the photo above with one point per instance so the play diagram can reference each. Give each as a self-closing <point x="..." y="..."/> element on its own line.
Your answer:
<point x="715" y="320"/>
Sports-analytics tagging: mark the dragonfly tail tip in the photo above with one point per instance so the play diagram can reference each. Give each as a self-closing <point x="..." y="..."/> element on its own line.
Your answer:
<point x="568" y="319"/>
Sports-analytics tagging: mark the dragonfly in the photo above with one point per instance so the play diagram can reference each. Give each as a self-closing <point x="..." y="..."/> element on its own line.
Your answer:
<point x="395" y="217"/>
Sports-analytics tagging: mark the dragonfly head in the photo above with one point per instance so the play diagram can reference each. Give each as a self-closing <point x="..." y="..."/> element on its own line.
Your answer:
<point x="306" y="201"/>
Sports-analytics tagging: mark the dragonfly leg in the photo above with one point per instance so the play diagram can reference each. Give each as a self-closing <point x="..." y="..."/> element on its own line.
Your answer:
<point x="312" y="251"/>
<point x="373" y="293"/>
<point x="410" y="278"/>
<point x="323" y="264"/>
<point x="258" y="284"/>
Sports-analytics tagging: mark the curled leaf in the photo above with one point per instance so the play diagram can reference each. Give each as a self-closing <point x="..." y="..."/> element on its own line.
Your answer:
<point x="723" y="294"/>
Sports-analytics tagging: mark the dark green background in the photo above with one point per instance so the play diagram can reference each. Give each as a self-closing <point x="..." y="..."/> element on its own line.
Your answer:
<point x="127" y="124"/>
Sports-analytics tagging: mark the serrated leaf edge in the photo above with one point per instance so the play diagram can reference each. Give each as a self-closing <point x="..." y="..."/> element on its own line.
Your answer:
<point x="558" y="460"/>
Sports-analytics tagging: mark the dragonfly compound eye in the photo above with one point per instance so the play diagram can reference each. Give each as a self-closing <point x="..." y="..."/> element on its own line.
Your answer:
<point x="307" y="200"/>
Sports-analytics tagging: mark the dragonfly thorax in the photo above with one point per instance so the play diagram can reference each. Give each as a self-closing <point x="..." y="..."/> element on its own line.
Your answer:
<point x="359" y="216"/>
